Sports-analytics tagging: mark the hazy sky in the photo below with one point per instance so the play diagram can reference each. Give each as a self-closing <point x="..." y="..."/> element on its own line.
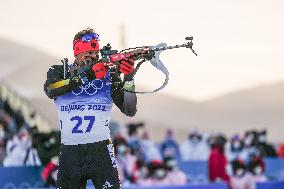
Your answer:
<point x="239" y="43"/>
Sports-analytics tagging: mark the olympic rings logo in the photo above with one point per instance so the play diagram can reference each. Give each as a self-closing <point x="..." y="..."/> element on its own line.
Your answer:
<point x="91" y="88"/>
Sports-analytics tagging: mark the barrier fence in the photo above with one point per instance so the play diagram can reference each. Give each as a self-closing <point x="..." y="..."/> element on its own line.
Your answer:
<point x="197" y="171"/>
<point x="26" y="177"/>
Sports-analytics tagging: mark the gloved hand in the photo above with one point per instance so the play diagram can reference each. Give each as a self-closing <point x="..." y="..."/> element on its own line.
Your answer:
<point x="98" y="71"/>
<point x="126" y="67"/>
<point x="75" y="82"/>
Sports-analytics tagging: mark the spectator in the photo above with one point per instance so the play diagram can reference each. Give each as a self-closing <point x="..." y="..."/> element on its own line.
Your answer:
<point x="250" y="142"/>
<point x="265" y="149"/>
<point x="150" y="150"/>
<point x="9" y="119"/>
<point x="234" y="149"/>
<point x="217" y="160"/>
<point x="195" y="148"/>
<point x="158" y="175"/>
<point x="134" y="142"/>
<point x="281" y="151"/>
<point x="177" y="176"/>
<point x="169" y="147"/>
<point x="126" y="162"/>
<point x="22" y="153"/>
<point x="47" y="145"/>
<point x="256" y="167"/>
<point x="142" y="171"/>
<point x="12" y="143"/>
<point x="3" y="136"/>
<point x="240" y="178"/>
<point x="49" y="172"/>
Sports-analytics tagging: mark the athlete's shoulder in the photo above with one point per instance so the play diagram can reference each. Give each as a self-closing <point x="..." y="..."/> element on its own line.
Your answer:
<point x="55" y="69"/>
<point x="55" y="72"/>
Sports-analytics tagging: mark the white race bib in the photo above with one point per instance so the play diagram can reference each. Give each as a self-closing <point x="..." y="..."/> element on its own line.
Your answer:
<point x="84" y="114"/>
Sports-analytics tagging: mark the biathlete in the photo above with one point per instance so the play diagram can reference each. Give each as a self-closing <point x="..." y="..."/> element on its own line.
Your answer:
<point x="84" y="96"/>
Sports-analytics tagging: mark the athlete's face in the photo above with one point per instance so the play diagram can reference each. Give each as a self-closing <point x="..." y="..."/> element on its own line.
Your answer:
<point x="87" y="58"/>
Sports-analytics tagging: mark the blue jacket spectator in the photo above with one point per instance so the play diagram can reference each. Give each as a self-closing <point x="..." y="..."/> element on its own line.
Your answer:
<point x="169" y="147"/>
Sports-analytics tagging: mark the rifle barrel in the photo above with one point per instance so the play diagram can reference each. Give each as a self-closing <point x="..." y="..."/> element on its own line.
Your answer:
<point x="187" y="45"/>
<point x="172" y="47"/>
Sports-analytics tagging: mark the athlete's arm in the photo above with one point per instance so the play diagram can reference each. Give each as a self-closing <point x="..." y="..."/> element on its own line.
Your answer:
<point x="124" y="100"/>
<point x="56" y="85"/>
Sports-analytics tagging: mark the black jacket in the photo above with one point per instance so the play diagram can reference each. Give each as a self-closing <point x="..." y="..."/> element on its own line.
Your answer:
<point x="125" y="101"/>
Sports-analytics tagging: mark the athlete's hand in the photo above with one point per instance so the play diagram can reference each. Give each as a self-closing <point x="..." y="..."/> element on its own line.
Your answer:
<point x="100" y="70"/>
<point x="126" y="67"/>
<point x="76" y="81"/>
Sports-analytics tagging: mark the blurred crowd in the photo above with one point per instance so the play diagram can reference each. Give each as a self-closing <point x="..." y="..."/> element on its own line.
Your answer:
<point x="142" y="162"/>
<point x="21" y="144"/>
<point x="237" y="160"/>
<point x="16" y="144"/>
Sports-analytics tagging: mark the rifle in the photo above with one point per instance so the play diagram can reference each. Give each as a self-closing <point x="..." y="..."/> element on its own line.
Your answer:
<point x="146" y="51"/>
<point x="143" y="53"/>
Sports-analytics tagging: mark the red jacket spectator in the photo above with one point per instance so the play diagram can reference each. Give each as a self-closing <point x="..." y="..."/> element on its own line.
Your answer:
<point x="217" y="164"/>
<point x="281" y="151"/>
<point x="49" y="172"/>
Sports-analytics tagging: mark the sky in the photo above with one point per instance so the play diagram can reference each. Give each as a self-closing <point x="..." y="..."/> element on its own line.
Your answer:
<point x="239" y="43"/>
